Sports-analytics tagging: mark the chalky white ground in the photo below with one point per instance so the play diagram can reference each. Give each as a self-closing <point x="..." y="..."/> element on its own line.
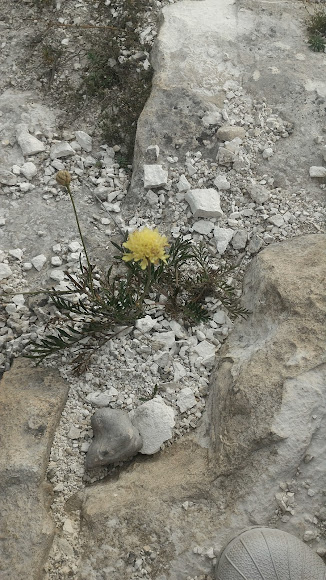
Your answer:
<point x="168" y="356"/>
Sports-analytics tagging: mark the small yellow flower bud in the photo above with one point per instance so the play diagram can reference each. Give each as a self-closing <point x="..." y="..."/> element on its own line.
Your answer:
<point x="63" y="178"/>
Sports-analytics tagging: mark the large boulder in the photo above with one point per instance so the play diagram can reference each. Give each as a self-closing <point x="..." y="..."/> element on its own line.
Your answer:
<point x="275" y="357"/>
<point x="31" y="402"/>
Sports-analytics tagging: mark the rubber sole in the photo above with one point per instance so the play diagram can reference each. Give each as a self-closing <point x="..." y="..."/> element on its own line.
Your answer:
<point x="268" y="554"/>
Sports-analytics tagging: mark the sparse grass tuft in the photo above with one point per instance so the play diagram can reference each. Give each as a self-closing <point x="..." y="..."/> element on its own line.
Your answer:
<point x="316" y="26"/>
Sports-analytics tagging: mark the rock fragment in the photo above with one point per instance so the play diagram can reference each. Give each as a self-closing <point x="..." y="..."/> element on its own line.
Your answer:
<point x="155" y="176"/>
<point x="7" y="178"/>
<point x="186" y="399"/>
<point x="204" y="202"/>
<point x="223" y="236"/>
<point x="38" y="262"/>
<point x="316" y="171"/>
<point x="61" y="149"/>
<point x="84" y="140"/>
<point x="29" y="144"/>
<point x="229" y="132"/>
<point x="5" y="271"/>
<point x="115" y="438"/>
<point x="154" y="420"/>
<point x="29" y="170"/>
<point x="222" y="183"/>
<point x="239" y="239"/>
<point x="258" y="193"/>
<point x="203" y="227"/>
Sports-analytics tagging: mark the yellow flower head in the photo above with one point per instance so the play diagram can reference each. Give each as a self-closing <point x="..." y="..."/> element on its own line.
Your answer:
<point x="146" y="246"/>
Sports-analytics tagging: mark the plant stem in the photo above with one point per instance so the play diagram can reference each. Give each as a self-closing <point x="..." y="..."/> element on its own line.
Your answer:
<point x="81" y="237"/>
<point x="147" y="284"/>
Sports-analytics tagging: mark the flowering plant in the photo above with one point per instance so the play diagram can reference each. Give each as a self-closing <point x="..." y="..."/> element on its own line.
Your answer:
<point x="179" y="281"/>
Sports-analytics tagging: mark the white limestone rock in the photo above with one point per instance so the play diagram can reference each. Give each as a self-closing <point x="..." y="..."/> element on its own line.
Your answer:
<point x="206" y="351"/>
<point x="223" y="236"/>
<point x="155" y="176"/>
<point x="203" y="227"/>
<point x="166" y="339"/>
<point x="154" y="420"/>
<point x="204" y="202"/>
<point x="183" y="184"/>
<point x="7" y="178"/>
<point x="211" y="118"/>
<point x="84" y="140"/>
<point x="38" y="262"/>
<point x="258" y="193"/>
<point x="100" y="399"/>
<point x="179" y="371"/>
<point x="145" y="324"/>
<point x="5" y="271"/>
<point x="229" y="132"/>
<point x="61" y="149"/>
<point x="57" y="275"/>
<point x="277" y="220"/>
<point x="268" y="152"/>
<point x="222" y="183"/>
<point x="16" y="253"/>
<point x="29" y="170"/>
<point x="29" y="144"/>
<point x="186" y="399"/>
<point x="316" y="171"/>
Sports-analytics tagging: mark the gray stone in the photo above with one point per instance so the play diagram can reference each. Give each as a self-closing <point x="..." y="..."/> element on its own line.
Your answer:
<point x="222" y="183"/>
<point x="38" y="261"/>
<point x="229" y="132"/>
<point x="204" y="202"/>
<point x="258" y="193"/>
<point x="84" y="140"/>
<point x="239" y="240"/>
<point x="31" y="402"/>
<point x="223" y="236"/>
<point x="255" y="244"/>
<point x="277" y="220"/>
<point x="7" y="178"/>
<point x="317" y="171"/>
<point x="155" y="176"/>
<point x="61" y="149"/>
<point x="115" y="438"/>
<point x="225" y="156"/>
<point x="29" y="144"/>
<point x="183" y="184"/>
<point x="5" y="271"/>
<point x="154" y="420"/>
<point x="100" y="399"/>
<point x="29" y="170"/>
<point x="186" y="399"/>
<point x="203" y="227"/>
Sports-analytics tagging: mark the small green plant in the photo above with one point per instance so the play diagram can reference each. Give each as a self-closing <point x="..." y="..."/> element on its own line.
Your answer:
<point x="316" y="26"/>
<point x="95" y="308"/>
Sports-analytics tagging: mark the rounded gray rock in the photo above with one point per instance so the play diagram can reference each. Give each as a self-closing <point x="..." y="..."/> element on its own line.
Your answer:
<point x="115" y="438"/>
<point x="268" y="554"/>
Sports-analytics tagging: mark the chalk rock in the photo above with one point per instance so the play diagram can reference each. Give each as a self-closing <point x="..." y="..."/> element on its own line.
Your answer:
<point x="38" y="262"/>
<point x="203" y="227"/>
<point x="5" y="271"/>
<point x="211" y="118"/>
<point x="115" y="438"/>
<point x="154" y="421"/>
<point x="186" y="399"/>
<point x="29" y="144"/>
<point x="155" y="176"/>
<point x="204" y="202"/>
<point x="166" y="339"/>
<point x="229" y="132"/>
<point x="183" y="184"/>
<point x="223" y="236"/>
<point x="84" y="140"/>
<point x="268" y="152"/>
<point x="61" y="149"/>
<point x="277" y="220"/>
<point x="222" y="183"/>
<point x="29" y="170"/>
<point x="316" y="171"/>
<point x="145" y="324"/>
<point x="7" y="178"/>
<point x="258" y="193"/>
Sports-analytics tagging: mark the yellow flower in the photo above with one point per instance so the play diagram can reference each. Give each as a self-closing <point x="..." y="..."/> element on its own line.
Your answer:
<point x="147" y="246"/>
